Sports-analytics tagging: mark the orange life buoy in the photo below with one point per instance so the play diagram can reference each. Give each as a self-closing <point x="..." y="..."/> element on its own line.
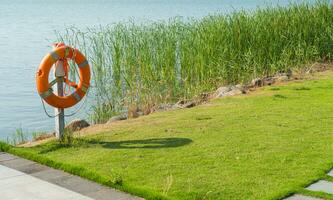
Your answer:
<point x="44" y="88"/>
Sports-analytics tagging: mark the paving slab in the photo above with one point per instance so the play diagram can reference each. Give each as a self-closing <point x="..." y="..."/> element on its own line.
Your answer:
<point x="5" y="173"/>
<point x="322" y="186"/>
<point x="76" y="184"/>
<point x="330" y="173"/>
<point x="14" y="170"/>
<point x="105" y="194"/>
<point x="51" y="175"/>
<point x="6" y="157"/>
<point x="301" y="197"/>
<point x="23" y="165"/>
<point x="26" y="187"/>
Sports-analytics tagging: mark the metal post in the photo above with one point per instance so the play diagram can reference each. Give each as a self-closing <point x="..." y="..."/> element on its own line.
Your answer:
<point x="59" y="112"/>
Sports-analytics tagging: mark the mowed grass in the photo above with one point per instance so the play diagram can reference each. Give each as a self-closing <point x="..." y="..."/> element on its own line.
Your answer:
<point x="265" y="145"/>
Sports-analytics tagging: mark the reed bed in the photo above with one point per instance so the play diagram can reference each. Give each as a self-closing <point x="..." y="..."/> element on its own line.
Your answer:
<point x="149" y="64"/>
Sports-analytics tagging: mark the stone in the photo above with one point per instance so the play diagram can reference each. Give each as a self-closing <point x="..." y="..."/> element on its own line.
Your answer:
<point x="301" y="197"/>
<point x="179" y="104"/>
<point x="283" y="78"/>
<point x="221" y="91"/>
<point x="322" y="186"/>
<point x="77" y="125"/>
<point x="184" y="104"/>
<point x="163" y="107"/>
<point x="204" y="96"/>
<point x="257" y="82"/>
<point x="44" y="136"/>
<point x="234" y="91"/>
<point x="330" y="173"/>
<point x="140" y="113"/>
<point x="117" y="118"/>
<point x="133" y="112"/>
<point x="189" y="104"/>
<point x="242" y="88"/>
<point x="318" y="67"/>
<point x="268" y="81"/>
<point x="287" y="73"/>
<point x="175" y="106"/>
<point x="229" y="91"/>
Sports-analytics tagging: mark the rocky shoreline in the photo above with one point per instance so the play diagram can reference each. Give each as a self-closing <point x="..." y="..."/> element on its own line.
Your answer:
<point x="221" y="92"/>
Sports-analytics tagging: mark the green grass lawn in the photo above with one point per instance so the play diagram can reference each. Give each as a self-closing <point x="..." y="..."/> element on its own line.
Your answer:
<point x="265" y="145"/>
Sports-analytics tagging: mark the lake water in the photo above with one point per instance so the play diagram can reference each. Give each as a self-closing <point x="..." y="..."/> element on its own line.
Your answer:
<point x="27" y="29"/>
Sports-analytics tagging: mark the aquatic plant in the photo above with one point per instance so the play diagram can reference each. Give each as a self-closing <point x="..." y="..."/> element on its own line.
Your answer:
<point x="18" y="137"/>
<point x="148" y="64"/>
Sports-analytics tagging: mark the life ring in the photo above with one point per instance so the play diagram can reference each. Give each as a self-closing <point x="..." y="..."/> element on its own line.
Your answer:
<point x="44" y="88"/>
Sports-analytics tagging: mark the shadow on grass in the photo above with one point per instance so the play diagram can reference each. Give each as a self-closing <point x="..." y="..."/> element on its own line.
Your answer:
<point x="57" y="146"/>
<point x="153" y="143"/>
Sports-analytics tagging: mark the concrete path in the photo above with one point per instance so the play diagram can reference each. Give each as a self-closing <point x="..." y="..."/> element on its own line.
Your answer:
<point x="21" y="179"/>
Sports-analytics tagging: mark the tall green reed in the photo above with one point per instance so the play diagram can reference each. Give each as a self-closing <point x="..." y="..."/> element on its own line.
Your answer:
<point x="144" y="65"/>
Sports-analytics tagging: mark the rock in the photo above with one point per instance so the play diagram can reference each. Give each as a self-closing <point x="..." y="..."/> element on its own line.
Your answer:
<point x="44" y="136"/>
<point x="268" y="81"/>
<point x="229" y="91"/>
<point x="319" y="67"/>
<point x="116" y="118"/>
<point x="289" y="73"/>
<point x="257" y="82"/>
<point x="189" y="104"/>
<point x="220" y="92"/>
<point x="179" y="104"/>
<point x="234" y="91"/>
<point x="283" y="78"/>
<point x="242" y="88"/>
<point x="204" y="97"/>
<point x="132" y="111"/>
<point x="184" y="104"/>
<point x="165" y="107"/>
<point x="176" y="106"/>
<point x="77" y="125"/>
<point x="140" y="113"/>
<point x="135" y="114"/>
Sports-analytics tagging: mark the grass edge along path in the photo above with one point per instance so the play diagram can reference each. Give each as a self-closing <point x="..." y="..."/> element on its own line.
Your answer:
<point x="321" y="195"/>
<point x="82" y="172"/>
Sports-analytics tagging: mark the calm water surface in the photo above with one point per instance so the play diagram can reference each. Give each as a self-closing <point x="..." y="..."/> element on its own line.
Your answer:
<point x="27" y="29"/>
